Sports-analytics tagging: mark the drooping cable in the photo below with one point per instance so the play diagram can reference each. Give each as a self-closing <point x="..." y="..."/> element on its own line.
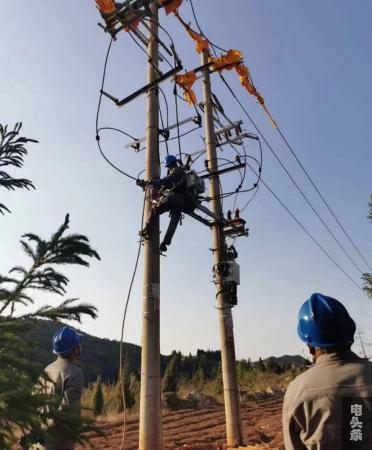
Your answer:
<point x="121" y="369"/>
<point x="97" y="118"/>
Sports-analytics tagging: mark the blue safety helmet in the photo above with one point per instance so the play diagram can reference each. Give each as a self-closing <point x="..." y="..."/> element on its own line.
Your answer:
<point x="324" y="322"/>
<point x="65" y="340"/>
<point x="170" y="160"/>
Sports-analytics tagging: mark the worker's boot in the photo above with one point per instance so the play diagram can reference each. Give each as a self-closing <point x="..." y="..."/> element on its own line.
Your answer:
<point x="163" y="247"/>
<point x="145" y="232"/>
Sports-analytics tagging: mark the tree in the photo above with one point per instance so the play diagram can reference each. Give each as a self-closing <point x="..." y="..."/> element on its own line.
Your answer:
<point x="22" y="405"/>
<point x="129" y="384"/>
<point x="170" y="378"/>
<point x="98" y="401"/>
<point x="261" y="365"/>
<point x="218" y="381"/>
<point x="273" y="366"/>
<point x="12" y="152"/>
<point x="367" y="277"/>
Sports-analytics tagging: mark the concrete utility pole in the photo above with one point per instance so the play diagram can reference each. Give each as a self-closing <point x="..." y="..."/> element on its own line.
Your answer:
<point x="229" y="374"/>
<point x="150" y="427"/>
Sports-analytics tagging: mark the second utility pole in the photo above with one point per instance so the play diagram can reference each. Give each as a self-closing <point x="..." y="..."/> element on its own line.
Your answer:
<point x="150" y="426"/>
<point x="228" y="360"/>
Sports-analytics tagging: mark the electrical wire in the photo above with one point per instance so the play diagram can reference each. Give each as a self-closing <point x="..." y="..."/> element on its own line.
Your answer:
<point x="286" y="170"/>
<point x="307" y="232"/>
<point x="201" y="31"/>
<point x="250" y="200"/>
<point x="162" y="120"/>
<point x="97" y="118"/>
<point x="290" y="176"/>
<point x="177" y="119"/>
<point x="121" y="371"/>
<point x="323" y="199"/>
<point x="175" y="83"/>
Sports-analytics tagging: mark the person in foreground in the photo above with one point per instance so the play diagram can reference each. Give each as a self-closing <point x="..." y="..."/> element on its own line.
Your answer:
<point x="329" y="406"/>
<point x="65" y="379"/>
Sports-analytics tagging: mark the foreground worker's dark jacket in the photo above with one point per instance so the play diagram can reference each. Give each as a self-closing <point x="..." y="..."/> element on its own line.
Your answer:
<point x="313" y="408"/>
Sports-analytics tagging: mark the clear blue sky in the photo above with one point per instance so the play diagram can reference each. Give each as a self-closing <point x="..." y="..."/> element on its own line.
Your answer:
<point x="310" y="60"/>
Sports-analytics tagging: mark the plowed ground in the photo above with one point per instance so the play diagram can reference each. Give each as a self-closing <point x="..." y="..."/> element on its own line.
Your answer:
<point x="203" y="429"/>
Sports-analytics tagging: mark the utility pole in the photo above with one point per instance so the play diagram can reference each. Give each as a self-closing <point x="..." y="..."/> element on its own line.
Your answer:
<point x="150" y="426"/>
<point x="229" y="374"/>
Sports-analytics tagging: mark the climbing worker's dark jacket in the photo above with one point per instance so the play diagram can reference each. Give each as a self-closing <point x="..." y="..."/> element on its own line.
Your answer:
<point x="316" y="411"/>
<point x="176" y="180"/>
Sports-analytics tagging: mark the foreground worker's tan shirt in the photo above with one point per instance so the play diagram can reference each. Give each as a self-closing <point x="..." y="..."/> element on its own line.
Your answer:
<point x="312" y="410"/>
<point x="68" y="384"/>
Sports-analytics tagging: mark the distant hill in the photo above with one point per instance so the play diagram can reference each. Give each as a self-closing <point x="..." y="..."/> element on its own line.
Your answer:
<point x="101" y="356"/>
<point x="288" y="361"/>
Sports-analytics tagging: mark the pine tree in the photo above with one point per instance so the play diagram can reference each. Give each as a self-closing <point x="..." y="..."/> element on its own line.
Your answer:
<point x="12" y="152"/>
<point x="23" y="405"/>
<point x="218" y="381"/>
<point x="98" y="400"/>
<point x="127" y="382"/>
<point x="260" y="365"/>
<point x="170" y="378"/>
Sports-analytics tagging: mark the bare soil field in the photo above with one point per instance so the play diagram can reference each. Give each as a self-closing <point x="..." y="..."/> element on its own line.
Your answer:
<point x="204" y="429"/>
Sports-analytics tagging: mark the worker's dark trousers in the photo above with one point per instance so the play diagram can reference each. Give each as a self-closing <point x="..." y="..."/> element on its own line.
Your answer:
<point x="175" y="204"/>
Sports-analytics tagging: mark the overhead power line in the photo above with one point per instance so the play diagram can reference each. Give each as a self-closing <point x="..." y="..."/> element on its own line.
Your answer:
<point x="323" y="199"/>
<point x="300" y="224"/>
<point x="284" y="167"/>
<point x="300" y="190"/>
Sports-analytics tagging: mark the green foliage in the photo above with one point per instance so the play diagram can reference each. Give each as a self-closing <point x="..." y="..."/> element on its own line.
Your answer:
<point x="170" y="378"/>
<point x="273" y="366"/>
<point x="367" y="283"/>
<point x="260" y="365"/>
<point x="99" y="358"/>
<point x="98" y="401"/>
<point x="129" y="396"/>
<point x="12" y="153"/>
<point x="218" y="382"/>
<point x="22" y="404"/>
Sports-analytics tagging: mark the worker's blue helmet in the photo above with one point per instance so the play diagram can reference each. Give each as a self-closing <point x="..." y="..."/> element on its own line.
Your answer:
<point x="169" y="160"/>
<point x="65" y="340"/>
<point x="324" y="322"/>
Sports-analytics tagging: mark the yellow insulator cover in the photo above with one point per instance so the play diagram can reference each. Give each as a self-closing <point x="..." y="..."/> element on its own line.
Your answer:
<point x="106" y="6"/>
<point x="186" y="82"/>
<point x="170" y="7"/>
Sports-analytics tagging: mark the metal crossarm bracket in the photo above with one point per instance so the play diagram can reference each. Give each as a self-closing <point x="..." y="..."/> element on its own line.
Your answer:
<point x="196" y="119"/>
<point x="129" y="12"/>
<point x="145" y="88"/>
<point x="222" y="171"/>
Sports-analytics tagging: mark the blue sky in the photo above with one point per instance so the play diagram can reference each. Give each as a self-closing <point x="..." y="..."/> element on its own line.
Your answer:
<point x="310" y="60"/>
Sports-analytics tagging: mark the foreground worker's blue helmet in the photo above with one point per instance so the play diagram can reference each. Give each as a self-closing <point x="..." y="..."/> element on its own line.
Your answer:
<point x="169" y="160"/>
<point x="65" y="340"/>
<point x="324" y="322"/>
